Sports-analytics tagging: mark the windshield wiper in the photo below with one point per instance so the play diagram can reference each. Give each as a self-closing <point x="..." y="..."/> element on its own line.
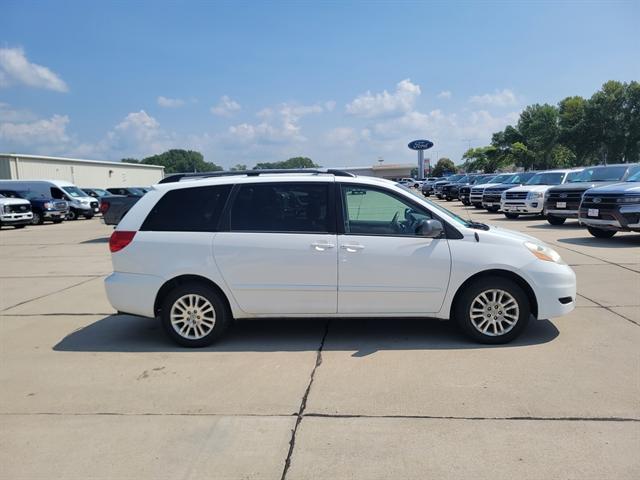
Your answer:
<point x="478" y="225"/>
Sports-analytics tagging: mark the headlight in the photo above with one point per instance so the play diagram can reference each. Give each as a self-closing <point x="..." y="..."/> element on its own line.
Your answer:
<point x="533" y="195"/>
<point x="628" y="200"/>
<point x="544" y="253"/>
<point x="47" y="205"/>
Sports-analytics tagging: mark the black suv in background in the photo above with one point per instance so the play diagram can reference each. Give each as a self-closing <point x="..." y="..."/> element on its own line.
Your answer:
<point x="612" y="208"/>
<point x="43" y="208"/>
<point x="563" y="201"/>
<point x="437" y="187"/>
<point x="465" y="190"/>
<point x="128" y="191"/>
<point x="491" y="196"/>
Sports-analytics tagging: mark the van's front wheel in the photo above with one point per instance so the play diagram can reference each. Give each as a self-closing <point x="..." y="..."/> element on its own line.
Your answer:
<point x="194" y="315"/>
<point x="493" y="310"/>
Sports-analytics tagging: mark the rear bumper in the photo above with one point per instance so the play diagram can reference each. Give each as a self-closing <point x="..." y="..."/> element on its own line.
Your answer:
<point x="133" y="293"/>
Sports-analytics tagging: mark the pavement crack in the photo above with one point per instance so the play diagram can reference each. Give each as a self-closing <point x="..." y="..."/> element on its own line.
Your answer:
<point x="442" y="417"/>
<point x="610" y="309"/>
<point x="303" y="403"/>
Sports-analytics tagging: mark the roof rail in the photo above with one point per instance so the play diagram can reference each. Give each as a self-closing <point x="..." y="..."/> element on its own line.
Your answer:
<point x="176" y="177"/>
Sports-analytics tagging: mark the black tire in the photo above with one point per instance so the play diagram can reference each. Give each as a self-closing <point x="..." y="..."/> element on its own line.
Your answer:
<point x="555" y="220"/>
<point x="37" y="219"/>
<point x="222" y="317"/>
<point x="19" y="226"/>
<point x="477" y="205"/>
<point x="511" y="216"/>
<point x="58" y="220"/>
<point x="448" y="199"/>
<point x="72" y="215"/>
<point x="601" y="233"/>
<point x="493" y="209"/>
<point x="462" y="310"/>
<point x="88" y="216"/>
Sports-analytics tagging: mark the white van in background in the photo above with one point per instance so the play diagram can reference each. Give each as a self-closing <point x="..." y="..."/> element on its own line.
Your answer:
<point x="80" y="204"/>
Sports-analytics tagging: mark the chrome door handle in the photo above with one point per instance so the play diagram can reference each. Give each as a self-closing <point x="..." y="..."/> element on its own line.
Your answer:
<point x="321" y="247"/>
<point x="352" y="248"/>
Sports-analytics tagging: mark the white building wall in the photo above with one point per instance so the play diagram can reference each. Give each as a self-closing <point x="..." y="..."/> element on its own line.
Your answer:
<point x="79" y="172"/>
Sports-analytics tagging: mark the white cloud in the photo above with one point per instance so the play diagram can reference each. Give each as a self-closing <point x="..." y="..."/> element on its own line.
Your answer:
<point x="330" y="105"/>
<point x="9" y="114"/>
<point x="383" y="104"/>
<point x="499" y="98"/>
<point x="445" y="94"/>
<point x="225" y="107"/>
<point x="137" y="135"/>
<point x="35" y="135"/>
<point x="15" y="69"/>
<point x="167" y="102"/>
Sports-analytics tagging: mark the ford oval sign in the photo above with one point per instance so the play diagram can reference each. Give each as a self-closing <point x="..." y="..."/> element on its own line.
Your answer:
<point x="420" y="145"/>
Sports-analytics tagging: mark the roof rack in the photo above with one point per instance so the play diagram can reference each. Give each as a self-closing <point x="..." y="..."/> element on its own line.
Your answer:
<point x="176" y="177"/>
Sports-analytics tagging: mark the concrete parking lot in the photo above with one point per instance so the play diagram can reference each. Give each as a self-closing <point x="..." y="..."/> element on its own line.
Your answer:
<point x="86" y="393"/>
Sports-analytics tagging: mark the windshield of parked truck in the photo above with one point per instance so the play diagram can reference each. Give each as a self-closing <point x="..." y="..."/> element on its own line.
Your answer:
<point x="74" y="192"/>
<point x="635" y="177"/>
<point x="453" y="178"/>
<point x="503" y="177"/>
<point x="136" y="191"/>
<point x="601" y="174"/>
<point x="520" y="178"/>
<point x="100" y="192"/>
<point x="546" y="178"/>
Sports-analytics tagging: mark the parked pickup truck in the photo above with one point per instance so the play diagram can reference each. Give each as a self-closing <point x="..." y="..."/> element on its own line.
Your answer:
<point x="15" y="212"/>
<point x="114" y="207"/>
<point x="612" y="208"/>
<point x="43" y="208"/>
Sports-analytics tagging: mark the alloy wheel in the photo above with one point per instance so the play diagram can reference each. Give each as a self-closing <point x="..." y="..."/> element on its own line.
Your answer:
<point x="192" y="316"/>
<point x="494" y="312"/>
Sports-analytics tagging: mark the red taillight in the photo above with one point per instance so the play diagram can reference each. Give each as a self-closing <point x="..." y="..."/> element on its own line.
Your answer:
<point x="104" y="206"/>
<point x="120" y="239"/>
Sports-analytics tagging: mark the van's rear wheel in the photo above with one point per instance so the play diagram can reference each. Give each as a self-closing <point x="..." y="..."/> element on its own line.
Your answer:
<point x="194" y="315"/>
<point x="493" y="310"/>
<point x="511" y="216"/>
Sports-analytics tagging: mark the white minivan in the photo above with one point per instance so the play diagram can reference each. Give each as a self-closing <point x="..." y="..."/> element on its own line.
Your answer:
<point x="198" y="252"/>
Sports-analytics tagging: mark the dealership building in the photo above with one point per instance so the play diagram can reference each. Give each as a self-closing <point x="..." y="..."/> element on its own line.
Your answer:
<point x="83" y="173"/>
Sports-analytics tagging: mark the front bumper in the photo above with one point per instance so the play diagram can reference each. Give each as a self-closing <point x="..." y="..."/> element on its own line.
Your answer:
<point x="552" y="282"/>
<point x="54" y="214"/>
<point x="16" y="218"/>
<point x="561" y="213"/>
<point x="133" y="292"/>
<point x="534" y="206"/>
<point x="623" y="217"/>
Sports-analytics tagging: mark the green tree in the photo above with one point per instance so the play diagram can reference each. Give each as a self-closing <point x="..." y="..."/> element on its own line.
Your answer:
<point x="521" y="155"/>
<point x="538" y="125"/>
<point x="295" y="162"/>
<point x="444" y="165"/>
<point x="130" y="160"/>
<point x="181" y="161"/>
<point x="574" y="131"/>
<point x="631" y="119"/>
<point x="239" y="167"/>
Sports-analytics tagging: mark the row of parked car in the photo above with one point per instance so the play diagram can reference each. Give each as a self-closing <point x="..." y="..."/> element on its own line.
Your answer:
<point x="604" y="198"/>
<point x="25" y="202"/>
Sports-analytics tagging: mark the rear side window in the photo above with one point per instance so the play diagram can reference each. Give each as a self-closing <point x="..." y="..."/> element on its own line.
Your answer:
<point x="195" y="209"/>
<point x="281" y="207"/>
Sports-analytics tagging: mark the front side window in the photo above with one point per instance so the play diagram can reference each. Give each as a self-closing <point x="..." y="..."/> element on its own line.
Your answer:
<point x="281" y="207"/>
<point x="369" y="211"/>
<point x="195" y="209"/>
<point x="601" y="174"/>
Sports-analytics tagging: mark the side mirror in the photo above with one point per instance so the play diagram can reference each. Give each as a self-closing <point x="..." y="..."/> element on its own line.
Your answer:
<point x="430" y="229"/>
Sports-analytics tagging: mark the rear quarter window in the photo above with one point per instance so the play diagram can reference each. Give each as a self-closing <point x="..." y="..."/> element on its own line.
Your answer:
<point x="196" y="209"/>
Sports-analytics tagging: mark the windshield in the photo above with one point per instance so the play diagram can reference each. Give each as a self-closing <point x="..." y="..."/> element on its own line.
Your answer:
<point x="455" y="217"/>
<point x="74" y="192"/>
<point x="453" y="178"/>
<point x="139" y="191"/>
<point x="523" y="177"/>
<point x="100" y="192"/>
<point x="548" y="178"/>
<point x="601" y="174"/>
<point x="635" y="177"/>
<point x="501" y="178"/>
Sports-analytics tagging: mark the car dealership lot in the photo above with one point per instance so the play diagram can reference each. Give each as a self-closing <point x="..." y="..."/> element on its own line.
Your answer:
<point x="87" y="393"/>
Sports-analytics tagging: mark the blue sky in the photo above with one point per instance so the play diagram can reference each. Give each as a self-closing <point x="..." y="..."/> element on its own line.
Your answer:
<point x="341" y="82"/>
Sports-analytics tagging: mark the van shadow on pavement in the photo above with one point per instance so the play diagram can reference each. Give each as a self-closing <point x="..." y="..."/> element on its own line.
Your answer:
<point x="124" y="333"/>
<point x="97" y="240"/>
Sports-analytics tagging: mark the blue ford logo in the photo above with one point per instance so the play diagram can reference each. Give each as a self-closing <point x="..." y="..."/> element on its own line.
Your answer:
<point x="420" y="145"/>
<point x="597" y="200"/>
